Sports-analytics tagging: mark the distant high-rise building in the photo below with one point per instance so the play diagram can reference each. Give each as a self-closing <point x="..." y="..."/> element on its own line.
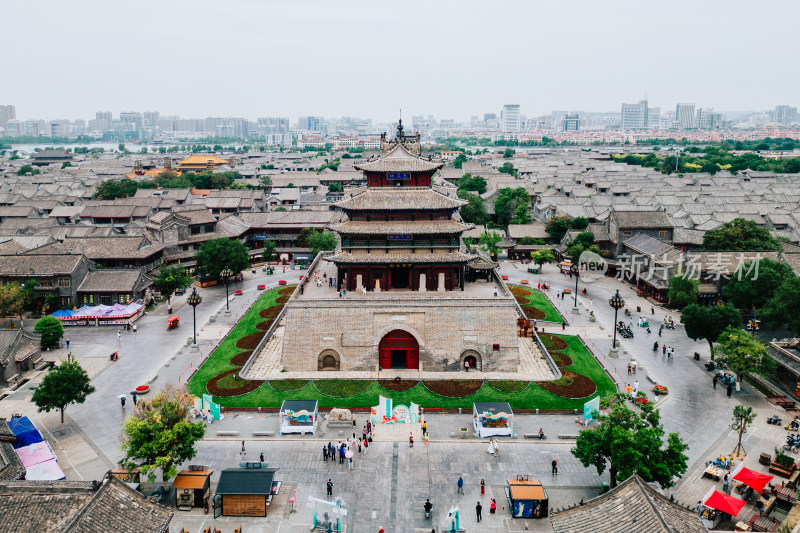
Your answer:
<point x="571" y="122"/>
<point x="707" y="119"/>
<point x="653" y="116"/>
<point x="102" y="120"/>
<point x="151" y="119"/>
<point x="59" y="128"/>
<point x="7" y="112"/>
<point x="634" y="116"/>
<point x="15" y="128"/>
<point x="783" y="114"/>
<point x="510" y="119"/>
<point x="273" y="124"/>
<point x="684" y="116"/>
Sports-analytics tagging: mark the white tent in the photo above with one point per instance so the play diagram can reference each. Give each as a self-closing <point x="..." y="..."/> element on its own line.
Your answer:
<point x="492" y="419"/>
<point x="299" y="416"/>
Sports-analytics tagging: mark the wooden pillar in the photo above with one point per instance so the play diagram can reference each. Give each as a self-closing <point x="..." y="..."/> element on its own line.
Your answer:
<point x="411" y="278"/>
<point x="461" y="277"/>
<point x="369" y="284"/>
<point x="388" y="278"/>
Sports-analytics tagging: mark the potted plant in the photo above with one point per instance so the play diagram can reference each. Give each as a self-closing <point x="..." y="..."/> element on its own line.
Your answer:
<point x="783" y="465"/>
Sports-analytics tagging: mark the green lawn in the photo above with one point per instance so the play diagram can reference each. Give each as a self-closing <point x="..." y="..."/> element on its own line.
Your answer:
<point x="221" y="357"/>
<point x="540" y="301"/>
<point x="532" y="397"/>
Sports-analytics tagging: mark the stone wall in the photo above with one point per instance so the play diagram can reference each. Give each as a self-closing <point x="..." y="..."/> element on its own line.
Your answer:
<point x="444" y="328"/>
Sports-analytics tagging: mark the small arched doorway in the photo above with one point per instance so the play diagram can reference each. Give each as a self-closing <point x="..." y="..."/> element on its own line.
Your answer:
<point x="399" y="349"/>
<point x="328" y="360"/>
<point x="471" y="361"/>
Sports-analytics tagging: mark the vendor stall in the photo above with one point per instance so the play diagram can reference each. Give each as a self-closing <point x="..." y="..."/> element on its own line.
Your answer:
<point x="298" y="416"/>
<point x="192" y="488"/>
<point x="749" y="478"/>
<point x="491" y="419"/>
<point x="100" y="315"/>
<point x="25" y="431"/>
<point x="717" y="503"/>
<point x="527" y="498"/>
<point x="245" y="492"/>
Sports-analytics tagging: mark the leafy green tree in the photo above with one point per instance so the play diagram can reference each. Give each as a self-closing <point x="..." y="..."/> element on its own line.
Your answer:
<point x="269" y="251"/>
<point x="459" y="160"/>
<point x="320" y="241"/>
<point x="65" y="164"/>
<point x="531" y="241"/>
<point x="112" y="189"/>
<point x="757" y="284"/>
<point x="740" y="235"/>
<point x="508" y="168"/>
<point x="541" y="257"/>
<point x="335" y="187"/>
<point x="630" y="440"/>
<point x="12" y="300"/>
<point x="27" y="169"/>
<point x="50" y="328"/>
<point x="489" y="242"/>
<point x="216" y="254"/>
<point x="742" y="417"/>
<point x="784" y="306"/>
<point x="582" y="242"/>
<point x="475" y="212"/>
<point x="521" y="215"/>
<point x="708" y="322"/>
<point x="65" y="384"/>
<point x="578" y="223"/>
<point x="171" y="278"/>
<point x="280" y="208"/>
<point x="471" y="183"/>
<point x="509" y="153"/>
<point x="507" y="201"/>
<point x="742" y="353"/>
<point x="160" y="435"/>
<point x="682" y="291"/>
<point x="122" y="148"/>
<point x="266" y="182"/>
<point x="557" y="227"/>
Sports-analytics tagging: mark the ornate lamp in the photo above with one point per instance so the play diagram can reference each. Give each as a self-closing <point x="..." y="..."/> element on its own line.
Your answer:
<point x="617" y="303"/>
<point x="575" y="269"/>
<point x="194" y="300"/>
<point x="226" y="274"/>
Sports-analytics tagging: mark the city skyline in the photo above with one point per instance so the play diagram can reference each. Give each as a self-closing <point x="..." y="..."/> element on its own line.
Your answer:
<point x="367" y="60"/>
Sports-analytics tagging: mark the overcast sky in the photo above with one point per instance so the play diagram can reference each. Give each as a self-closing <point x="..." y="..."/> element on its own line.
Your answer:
<point x="452" y="59"/>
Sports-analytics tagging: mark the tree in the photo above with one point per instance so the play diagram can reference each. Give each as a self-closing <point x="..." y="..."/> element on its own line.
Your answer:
<point x="171" y="278"/>
<point x="742" y="353"/>
<point x="459" y="160"/>
<point x="12" y="300"/>
<point x="631" y="440"/>
<point x="531" y="241"/>
<point x="507" y="201"/>
<point x="27" y="169"/>
<point x="65" y="384"/>
<point x="579" y="223"/>
<point x="708" y="322"/>
<point x="521" y="215"/>
<point x="122" y="148"/>
<point x="112" y="189"/>
<point x="758" y="282"/>
<point x="216" y="254"/>
<point x="489" y="242"/>
<point x="742" y="416"/>
<point x="557" y="227"/>
<point x="335" y="187"/>
<point x="269" y="251"/>
<point x="471" y="183"/>
<point x="509" y="153"/>
<point x="474" y="212"/>
<point x="682" y="291"/>
<point x="582" y="242"/>
<point x="540" y="257"/>
<point x="50" y="328"/>
<point x="320" y="241"/>
<point x="784" y="306"/>
<point x="266" y="182"/>
<point x="508" y="168"/>
<point x="740" y="235"/>
<point x="160" y="435"/>
<point x="280" y="208"/>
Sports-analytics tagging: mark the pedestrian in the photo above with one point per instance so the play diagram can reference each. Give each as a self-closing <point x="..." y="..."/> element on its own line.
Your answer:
<point x="635" y="386"/>
<point x="210" y="418"/>
<point x="478" y="508"/>
<point x="664" y="349"/>
<point x="554" y="464"/>
<point x="67" y="344"/>
<point x="366" y="445"/>
<point x="483" y="487"/>
<point x="261" y="457"/>
<point x="558" y="294"/>
<point x="410" y="440"/>
<point x="629" y="390"/>
<point x="424" y="427"/>
<point x="714" y="382"/>
<point x="354" y="424"/>
<point x="359" y="446"/>
<point x="653" y="311"/>
<point x="563" y="326"/>
<point x="562" y="295"/>
<point x="364" y="433"/>
<point x="119" y="334"/>
<point x="329" y="487"/>
<point x="134" y="328"/>
<point x="122" y="401"/>
<point x="629" y="369"/>
<point x="350" y="465"/>
<point x="341" y="455"/>
<point x="325" y="453"/>
<point x="134" y="398"/>
<point x="492" y="506"/>
<point x="460" y="484"/>
<point x="495" y="291"/>
<point x="243" y="450"/>
<point x="730" y="390"/>
<point x="699" y="508"/>
<point x="659" y="331"/>
<point x="725" y="484"/>
<point x="427" y="440"/>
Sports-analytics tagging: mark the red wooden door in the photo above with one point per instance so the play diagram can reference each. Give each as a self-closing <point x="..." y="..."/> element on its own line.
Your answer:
<point x="397" y="346"/>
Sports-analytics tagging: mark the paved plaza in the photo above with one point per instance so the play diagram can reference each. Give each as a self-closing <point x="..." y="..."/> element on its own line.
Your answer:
<point x="389" y="484"/>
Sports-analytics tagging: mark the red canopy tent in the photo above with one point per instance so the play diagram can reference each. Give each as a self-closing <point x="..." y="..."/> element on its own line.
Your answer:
<point x="755" y="480"/>
<point x="722" y="502"/>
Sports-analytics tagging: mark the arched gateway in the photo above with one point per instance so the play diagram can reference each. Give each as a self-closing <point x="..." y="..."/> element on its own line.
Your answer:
<point x="399" y="349"/>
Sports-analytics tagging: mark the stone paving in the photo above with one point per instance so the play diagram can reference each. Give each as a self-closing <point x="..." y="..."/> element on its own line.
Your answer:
<point x="394" y="480"/>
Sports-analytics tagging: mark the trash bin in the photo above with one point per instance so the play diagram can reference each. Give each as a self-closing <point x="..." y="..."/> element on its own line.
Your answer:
<point x="696" y="356"/>
<point x="603" y="487"/>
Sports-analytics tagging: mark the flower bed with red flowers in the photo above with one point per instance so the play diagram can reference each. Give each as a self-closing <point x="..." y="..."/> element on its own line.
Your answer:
<point x="142" y="389"/>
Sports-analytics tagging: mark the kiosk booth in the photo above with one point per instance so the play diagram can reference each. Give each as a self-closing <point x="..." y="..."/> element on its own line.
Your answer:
<point x="527" y="498"/>
<point x="491" y="419"/>
<point x="192" y="488"/>
<point x="299" y="416"/>
<point x="715" y="503"/>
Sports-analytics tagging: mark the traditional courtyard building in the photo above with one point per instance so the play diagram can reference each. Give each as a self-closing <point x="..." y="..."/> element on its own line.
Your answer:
<point x="401" y="298"/>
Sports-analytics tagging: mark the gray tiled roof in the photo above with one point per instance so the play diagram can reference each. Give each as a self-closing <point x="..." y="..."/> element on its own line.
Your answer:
<point x="631" y="507"/>
<point x="398" y="198"/>
<point x="398" y="159"/>
<point x="417" y="227"/>
<point x="38" y="265"/>
<point x="110" y="280"/>
<point x="113" y="247"/>
<point x="405" y="257"/>
<point x="11" y="467"/>
<point x="642" y="219"/>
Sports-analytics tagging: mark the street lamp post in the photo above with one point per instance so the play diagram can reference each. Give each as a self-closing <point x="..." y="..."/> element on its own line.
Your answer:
<point x="576" y="271"/>
<point x="194" y="300"/>
<point x="226" y="274"/>
<point x="617" y="303"/>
